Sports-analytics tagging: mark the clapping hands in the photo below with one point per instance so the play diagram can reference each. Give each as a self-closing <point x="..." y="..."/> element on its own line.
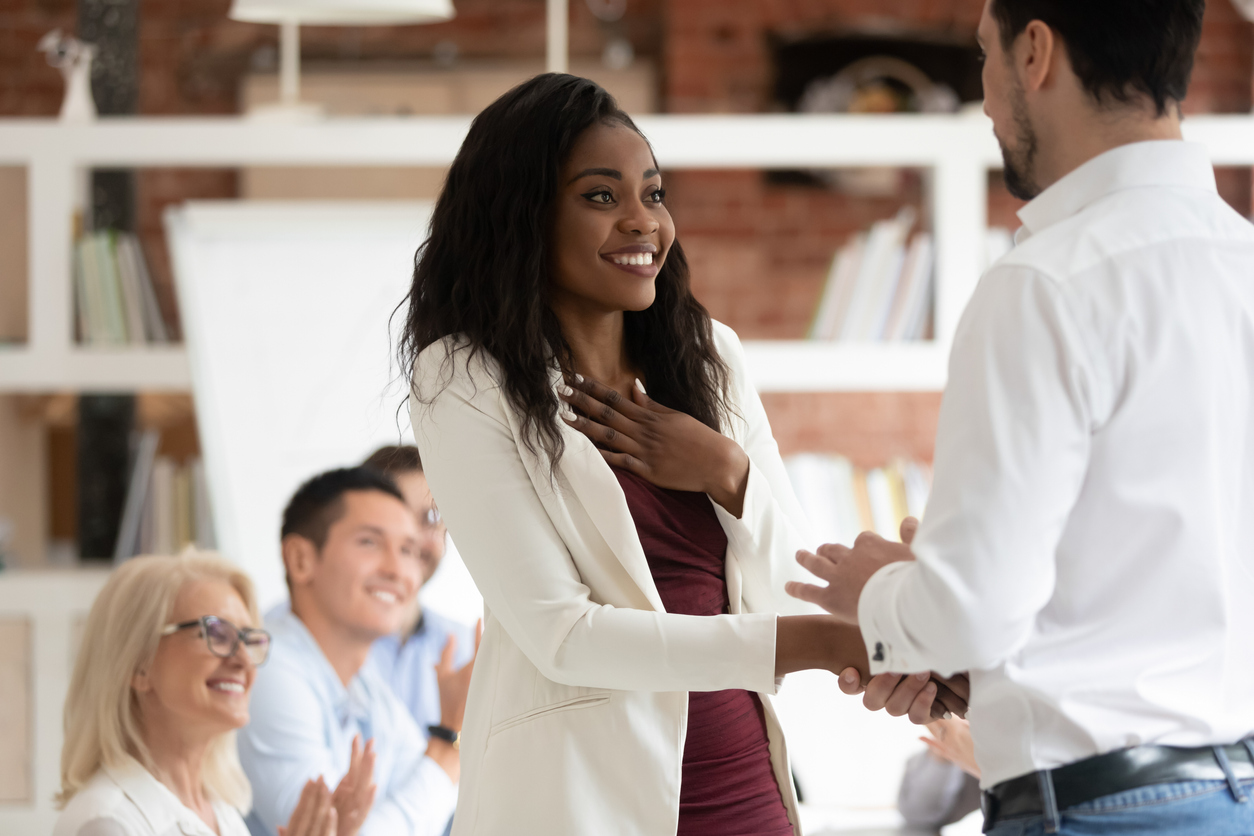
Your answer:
<point x="321" y="812"/>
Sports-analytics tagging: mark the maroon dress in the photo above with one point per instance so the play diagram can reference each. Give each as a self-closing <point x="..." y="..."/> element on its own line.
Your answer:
<point x="728" y="786"/>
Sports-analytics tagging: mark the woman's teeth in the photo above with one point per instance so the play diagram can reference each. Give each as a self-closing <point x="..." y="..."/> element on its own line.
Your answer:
<point x="385" y="597"/>
<point x="229" y="687"/>
<point x="639" y="259"/>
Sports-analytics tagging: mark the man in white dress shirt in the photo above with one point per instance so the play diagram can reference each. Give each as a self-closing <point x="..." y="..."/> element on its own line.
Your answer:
<point x="1088" y="551"/>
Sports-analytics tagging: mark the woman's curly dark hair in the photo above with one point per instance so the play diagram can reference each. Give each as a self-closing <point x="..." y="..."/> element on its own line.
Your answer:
<point x="484" y="273"/>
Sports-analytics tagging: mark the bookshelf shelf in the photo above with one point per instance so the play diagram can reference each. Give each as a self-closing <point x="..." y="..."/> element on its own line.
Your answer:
<point x="149" y="368"/>
<point x="958" y="150"/>
<point x="813" y="366"/>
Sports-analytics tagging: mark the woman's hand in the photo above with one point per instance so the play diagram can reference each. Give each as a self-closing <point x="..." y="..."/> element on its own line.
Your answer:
<point x="354" y="796"/>
<point x="314" y="814"/>
<point x="669" y="448"/>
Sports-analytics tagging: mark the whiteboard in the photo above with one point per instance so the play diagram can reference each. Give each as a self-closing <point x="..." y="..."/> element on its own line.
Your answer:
<point x="286" y="309"/>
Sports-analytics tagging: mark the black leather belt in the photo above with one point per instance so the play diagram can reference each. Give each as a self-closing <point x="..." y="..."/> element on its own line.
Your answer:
<point x="1112" y="773"/>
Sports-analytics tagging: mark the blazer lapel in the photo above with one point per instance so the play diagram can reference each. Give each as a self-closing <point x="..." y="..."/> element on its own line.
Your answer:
<point x="597" y="490"/>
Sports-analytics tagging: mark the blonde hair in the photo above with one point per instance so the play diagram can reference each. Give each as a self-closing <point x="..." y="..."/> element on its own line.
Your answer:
<point x="102" y="722"/>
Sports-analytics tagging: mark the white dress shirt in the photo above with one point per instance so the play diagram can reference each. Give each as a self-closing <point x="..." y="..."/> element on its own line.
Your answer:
<point x="1088" y="550"/>
<point x="302" y="723"/>
<point x="126" y="800"/>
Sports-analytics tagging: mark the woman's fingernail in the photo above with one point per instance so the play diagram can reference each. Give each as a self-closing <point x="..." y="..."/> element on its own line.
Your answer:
<point x="566" y="390"/>
<point x="579" y="378"/>
<point x="640" y="386"/>
<point x="847" y="677"/>
<point x="922" y="676"/>
<point x="567" y="413"/>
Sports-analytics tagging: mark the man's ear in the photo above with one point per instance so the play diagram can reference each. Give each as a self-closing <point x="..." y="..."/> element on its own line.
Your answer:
<point x="300" y="557"/>
<point x="1036" y="52"/>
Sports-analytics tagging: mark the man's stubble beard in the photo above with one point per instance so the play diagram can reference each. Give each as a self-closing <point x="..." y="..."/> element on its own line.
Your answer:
<point x="1020" y="164"/>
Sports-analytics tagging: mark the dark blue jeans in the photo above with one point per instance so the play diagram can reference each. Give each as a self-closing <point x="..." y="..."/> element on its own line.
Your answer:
<point x="1187" y="808"/>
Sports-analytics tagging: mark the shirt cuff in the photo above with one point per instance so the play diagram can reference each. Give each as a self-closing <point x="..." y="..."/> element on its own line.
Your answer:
<point x="887" y="646"/>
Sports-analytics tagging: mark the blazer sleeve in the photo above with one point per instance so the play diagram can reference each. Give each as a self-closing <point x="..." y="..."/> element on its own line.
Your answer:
<point x="772" y="527"/>
<point x="525" y="572"/>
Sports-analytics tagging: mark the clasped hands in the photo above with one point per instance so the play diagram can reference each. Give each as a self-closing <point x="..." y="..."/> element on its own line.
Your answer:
<point x="674" y="450"/>
<point x="847" y="571"/>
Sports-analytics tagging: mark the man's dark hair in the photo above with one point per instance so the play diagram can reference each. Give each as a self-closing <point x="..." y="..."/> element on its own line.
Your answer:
<point x="1118" y="48"/>
<point x="395" y="459"/>
<point x="319" y="503"/>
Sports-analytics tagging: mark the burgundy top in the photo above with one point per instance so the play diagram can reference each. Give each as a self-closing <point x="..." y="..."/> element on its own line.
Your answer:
<point x="728" y="787"/>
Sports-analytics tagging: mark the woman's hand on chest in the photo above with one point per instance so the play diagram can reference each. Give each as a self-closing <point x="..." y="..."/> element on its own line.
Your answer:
<point x="669" y="448"/>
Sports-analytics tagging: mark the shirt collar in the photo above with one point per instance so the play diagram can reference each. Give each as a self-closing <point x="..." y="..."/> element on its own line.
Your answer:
<point x="1171" y="163"/>
<point x="159" y="806"/>
<point x="354" y="701"/>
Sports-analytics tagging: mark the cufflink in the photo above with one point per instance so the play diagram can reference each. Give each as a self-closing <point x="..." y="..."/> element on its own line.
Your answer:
<point x="879" y="652"/>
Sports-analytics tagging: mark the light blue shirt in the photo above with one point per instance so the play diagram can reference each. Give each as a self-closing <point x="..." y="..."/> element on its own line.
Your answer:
<point x="409" y="666"/>
<point x="302" y="725"/>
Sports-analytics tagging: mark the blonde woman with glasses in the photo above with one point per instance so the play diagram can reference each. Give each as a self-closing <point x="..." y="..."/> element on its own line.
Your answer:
<point x="161" y="683"/>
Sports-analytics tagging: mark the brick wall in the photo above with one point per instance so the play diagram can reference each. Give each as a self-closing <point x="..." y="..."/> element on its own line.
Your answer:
<point x="760" y="250"/>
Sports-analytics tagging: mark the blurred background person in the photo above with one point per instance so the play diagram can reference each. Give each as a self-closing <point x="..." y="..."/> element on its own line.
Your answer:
<point x="351" y="553"/>
<point x="407" y="660"/>
<point x="941" y="784"/>
<point x="160" y="685"/>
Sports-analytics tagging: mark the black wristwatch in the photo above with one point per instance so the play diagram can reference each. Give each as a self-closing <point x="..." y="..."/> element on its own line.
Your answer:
<point x="446" y="734"/>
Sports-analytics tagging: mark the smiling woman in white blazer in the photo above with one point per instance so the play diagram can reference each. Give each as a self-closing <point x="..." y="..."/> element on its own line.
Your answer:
<point x="552" y="224"/>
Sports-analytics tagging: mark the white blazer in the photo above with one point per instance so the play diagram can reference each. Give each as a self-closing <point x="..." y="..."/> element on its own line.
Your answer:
<point x="126" y="800"/>
<point x="578" y="707"/>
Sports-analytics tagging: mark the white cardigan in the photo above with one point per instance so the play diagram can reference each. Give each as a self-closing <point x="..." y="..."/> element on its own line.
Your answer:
<point x="578" y="706"/>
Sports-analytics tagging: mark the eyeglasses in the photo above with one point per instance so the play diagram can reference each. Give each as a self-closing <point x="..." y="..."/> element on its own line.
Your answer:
<point x="430" y="519"/>
<point x="223" y="638"/>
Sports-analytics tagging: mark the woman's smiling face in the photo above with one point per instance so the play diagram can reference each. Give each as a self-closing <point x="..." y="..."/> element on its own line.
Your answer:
<point x="611" y="230"/>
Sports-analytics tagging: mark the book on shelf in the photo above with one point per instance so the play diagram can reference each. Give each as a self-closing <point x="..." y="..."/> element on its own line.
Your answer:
<point x="841" y="500"/>
<point x="881" y="284"/>
<point x="167" y="504"/>
<point x="114" y="295"/>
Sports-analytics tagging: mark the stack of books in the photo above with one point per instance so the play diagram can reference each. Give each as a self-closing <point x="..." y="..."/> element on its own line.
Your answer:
<point x="116" y="302"/>
<point x="167" y="504"/>
<point x="879" y="287"/>
<point x="881" y="284"/>
<point x="842" y="501"/>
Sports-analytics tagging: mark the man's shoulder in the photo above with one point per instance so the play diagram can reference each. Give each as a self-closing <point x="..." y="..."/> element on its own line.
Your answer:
<point x="1126" y="224"/>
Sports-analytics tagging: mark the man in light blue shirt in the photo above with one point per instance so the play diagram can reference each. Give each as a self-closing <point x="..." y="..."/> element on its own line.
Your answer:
<point x="350" y="547"/>
<point x="407" y="660"/>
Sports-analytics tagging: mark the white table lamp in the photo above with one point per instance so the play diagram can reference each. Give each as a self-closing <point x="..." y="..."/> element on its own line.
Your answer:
<point x="290" y="14"/>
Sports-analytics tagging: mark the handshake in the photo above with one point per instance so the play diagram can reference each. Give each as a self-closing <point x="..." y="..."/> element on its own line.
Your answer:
<point x="924" y="697"/>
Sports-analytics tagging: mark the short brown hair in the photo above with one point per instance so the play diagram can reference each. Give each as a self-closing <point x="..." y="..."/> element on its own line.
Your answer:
<point x="395" y="459"/>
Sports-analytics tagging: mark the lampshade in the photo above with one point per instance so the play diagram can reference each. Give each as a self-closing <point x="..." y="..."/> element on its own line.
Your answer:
<point x="342" y="12"/>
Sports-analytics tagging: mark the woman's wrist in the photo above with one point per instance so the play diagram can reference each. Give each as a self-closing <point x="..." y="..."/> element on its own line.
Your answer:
<point x="818" y="642"/>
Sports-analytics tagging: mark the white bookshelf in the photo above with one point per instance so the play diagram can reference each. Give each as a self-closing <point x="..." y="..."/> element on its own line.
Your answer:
<point x="958" y="150"/>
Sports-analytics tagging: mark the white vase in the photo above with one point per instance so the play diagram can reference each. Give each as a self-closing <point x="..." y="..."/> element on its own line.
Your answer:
<point x="78" y="105"/>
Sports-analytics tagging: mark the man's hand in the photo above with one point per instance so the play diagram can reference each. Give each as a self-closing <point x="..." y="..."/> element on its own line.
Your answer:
<point x="454" y="683"/>
<point x="354" y="796"/>
<point x="847" y="570"/>
<point x="923" y="697"/>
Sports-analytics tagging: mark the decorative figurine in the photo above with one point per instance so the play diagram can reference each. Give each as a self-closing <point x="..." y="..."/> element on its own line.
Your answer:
<point x="73" y="58"/>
